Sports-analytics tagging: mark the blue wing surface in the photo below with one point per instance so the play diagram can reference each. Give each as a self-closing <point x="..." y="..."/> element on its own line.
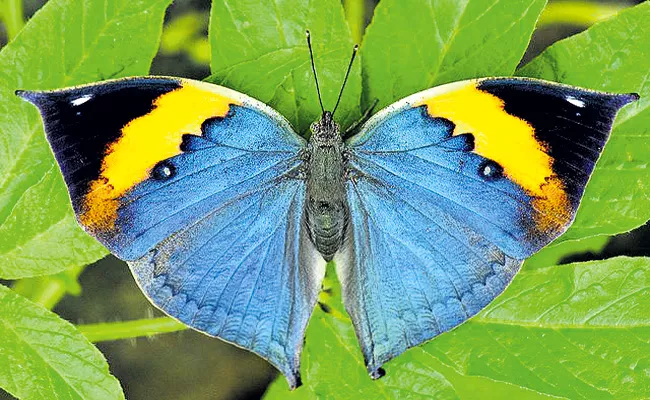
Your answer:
<point x="199" y="189"/>
<point x="245" y="272"/>
<point x="450" y="190"/>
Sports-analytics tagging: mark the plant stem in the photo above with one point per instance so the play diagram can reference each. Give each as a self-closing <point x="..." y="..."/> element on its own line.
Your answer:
<point x="12" y="16"/>
<point x="578" y="12"/>
<point x="130" y="329"/>
<point x="355" y="13"/>
<point x="49" y="290"/>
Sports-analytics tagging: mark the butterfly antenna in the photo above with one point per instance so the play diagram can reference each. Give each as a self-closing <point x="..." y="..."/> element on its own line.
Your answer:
<point x="313" y="68"/>
<point x="345" y="80"/>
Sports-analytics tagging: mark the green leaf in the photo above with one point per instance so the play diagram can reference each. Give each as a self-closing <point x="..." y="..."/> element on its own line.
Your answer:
<point x="333" y="369"/>
<point x="578" y="330"/>
<point x="613" y="56"/>
<point x="67" y="42"/>
<point x="413" y="45"/>
<point x="555" y="252"/>
<point x="44" y="357"/>
<point x="35" y="243"/>
<point x="260" y="49"/>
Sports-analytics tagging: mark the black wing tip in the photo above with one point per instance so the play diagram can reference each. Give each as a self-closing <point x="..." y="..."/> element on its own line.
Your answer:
<point x="27" y="95"/>
<point x="37" y="98"/>
<point x="613" y="102"/>
<point x="624" y="99"/>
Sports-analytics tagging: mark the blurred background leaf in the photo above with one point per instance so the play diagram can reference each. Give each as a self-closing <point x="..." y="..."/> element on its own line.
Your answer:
<point x="187" y="34"/>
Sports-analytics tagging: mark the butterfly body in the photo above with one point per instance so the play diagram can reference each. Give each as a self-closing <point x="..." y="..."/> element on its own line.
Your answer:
<point x="226" y="216"/>
<point x="326" y="208"/>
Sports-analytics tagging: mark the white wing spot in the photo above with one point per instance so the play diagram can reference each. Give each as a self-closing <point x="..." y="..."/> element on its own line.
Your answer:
<point x="487" y="170"/>
<point x="80" y="100"/>
<point x="575" y="102"/>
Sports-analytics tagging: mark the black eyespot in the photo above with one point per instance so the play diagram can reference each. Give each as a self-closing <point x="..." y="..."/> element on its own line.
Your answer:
<point x="489" y="170"/>
<point x="163" y="171"/>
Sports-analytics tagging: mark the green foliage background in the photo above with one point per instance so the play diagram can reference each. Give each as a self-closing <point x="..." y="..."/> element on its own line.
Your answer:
<point x="579" y="330"/>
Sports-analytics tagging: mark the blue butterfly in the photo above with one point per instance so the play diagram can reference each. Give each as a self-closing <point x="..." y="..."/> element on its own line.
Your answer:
<point x="227" y="217"/>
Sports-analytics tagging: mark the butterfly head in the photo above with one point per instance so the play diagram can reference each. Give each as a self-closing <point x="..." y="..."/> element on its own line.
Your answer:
<point x="325" y="128"/>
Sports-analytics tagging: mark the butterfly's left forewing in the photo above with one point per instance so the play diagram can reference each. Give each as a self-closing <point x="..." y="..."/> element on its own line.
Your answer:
<point x="450" y="189"/>
<point x="199" y="189"/>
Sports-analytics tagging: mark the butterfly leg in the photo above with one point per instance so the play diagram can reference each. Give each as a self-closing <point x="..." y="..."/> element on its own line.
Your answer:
<point x="357" y="124"/>
<point x="353" y="174"/>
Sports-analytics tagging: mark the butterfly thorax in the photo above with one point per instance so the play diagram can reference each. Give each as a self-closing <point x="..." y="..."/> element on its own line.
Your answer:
<point x="326" y="205"/>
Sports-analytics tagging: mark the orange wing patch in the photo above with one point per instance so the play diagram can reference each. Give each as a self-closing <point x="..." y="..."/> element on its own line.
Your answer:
<point x="509" y="141"/>
<point x="144" y="142"/>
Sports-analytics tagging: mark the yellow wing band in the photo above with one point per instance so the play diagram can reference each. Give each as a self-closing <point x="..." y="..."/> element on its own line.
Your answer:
<point x="144" y="142"/>
<point x="509" y="141"/>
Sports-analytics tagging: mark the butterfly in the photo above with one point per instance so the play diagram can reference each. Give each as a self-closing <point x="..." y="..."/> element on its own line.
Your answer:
<point x="227" y="217"/>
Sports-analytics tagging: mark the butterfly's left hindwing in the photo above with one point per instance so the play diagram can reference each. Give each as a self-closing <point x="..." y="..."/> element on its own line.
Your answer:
<point x="450" y="189"/>
<point x="198" y="188"/>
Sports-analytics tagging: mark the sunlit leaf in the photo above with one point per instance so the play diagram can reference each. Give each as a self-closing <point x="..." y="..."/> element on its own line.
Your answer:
<point x="412" y="45"/>
<point x="44" y="357"/>
<point x="260" y="49"/>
